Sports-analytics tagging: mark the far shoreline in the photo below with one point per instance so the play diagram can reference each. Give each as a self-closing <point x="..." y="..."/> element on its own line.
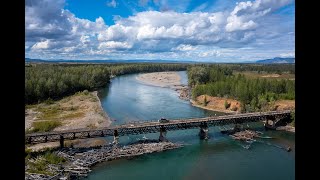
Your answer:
<point x="193" y="103"/>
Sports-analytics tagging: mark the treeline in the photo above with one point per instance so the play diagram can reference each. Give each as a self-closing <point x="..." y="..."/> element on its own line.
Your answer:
<point x="269" y="68"/>
<point x="54" y="81"/>
<point x="254" y="94"/>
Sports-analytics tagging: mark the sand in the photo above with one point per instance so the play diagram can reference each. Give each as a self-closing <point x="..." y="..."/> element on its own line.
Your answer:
<point x="161" y="79"/>
<point x="165" y="79"/>
<point x="217" y="104"/>
<point x="75" y="112"/>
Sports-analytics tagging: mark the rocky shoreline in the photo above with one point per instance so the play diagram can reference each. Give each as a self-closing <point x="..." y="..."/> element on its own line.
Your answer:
<point x="79" y="161"/>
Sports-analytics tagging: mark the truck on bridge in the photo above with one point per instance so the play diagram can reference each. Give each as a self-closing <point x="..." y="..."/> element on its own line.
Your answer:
<point x="163" y="120"/>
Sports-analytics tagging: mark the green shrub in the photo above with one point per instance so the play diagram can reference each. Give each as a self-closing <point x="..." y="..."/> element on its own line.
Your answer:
<point x="52" y="158"/>
<point x="85" y="92"/>
<point x="49" y="101"/>
<point x="226" y="104"/>
<point x="234" y="108"/>
<point x="45" y="126"/>
<point x="205" y="102"/>
<point x="41" y="166"/>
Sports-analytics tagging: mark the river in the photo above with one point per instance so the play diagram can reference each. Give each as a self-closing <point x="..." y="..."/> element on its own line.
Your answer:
<point x="220" y="157"/>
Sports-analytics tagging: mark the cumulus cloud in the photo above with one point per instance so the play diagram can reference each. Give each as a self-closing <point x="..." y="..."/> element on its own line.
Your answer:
<point x="114" y="45"/>
<point x="243" y="15"/>
<point x="51" y="30"/>
<point x="46" y="19"/>
<point x="41" y="45"/>
<point x="185" y="47"/>
<point x="112" y="3"/>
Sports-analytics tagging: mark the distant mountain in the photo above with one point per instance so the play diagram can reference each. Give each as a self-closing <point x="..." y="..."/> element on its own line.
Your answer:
<point x="277" y="60"/>
<point x="265" y="61"/>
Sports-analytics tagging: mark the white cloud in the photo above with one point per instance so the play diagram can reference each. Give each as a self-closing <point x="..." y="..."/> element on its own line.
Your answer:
<point x="213" y="53"/>
<point x="287" y="55"/>
<point x="185" y="47"/>
<point x="243" y="15"/>
<point x="114" y="45"/>
<point x="41" y="45"/>
<point x="53" y="31"/>
<point x="112" y="3"/>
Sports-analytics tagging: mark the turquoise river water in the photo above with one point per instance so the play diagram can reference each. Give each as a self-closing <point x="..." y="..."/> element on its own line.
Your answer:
<point x="219" y="158"/>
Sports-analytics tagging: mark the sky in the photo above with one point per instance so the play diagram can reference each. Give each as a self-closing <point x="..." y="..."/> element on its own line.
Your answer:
<point x="192" y="30"/>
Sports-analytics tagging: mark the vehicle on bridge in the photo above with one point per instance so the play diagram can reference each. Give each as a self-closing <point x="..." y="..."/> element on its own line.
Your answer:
<point x="163" y="120"/>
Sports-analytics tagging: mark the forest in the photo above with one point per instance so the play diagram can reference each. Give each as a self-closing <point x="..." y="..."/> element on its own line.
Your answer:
<point x="268" y="68"/>
<point x="254" y="94"/>
<point x="54" y="81"/>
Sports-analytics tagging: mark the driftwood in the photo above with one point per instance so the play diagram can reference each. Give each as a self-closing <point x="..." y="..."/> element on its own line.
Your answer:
<point x="249" y="135"/>
<point x="246" y="135"/>
<point x="79" y="163"/>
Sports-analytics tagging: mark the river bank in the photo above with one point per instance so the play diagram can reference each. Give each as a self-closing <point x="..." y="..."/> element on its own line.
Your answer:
<point x="161" y="79"/>
<point x="81" y="110"/>
<point x="217" y="104"/>
<point x="166" y="79"/>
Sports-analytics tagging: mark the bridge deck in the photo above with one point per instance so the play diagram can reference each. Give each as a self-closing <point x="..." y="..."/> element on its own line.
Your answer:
<point x="154" y="126"/>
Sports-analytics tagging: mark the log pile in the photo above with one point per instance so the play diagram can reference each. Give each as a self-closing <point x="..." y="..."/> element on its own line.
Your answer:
<point x="79" y="162"/>
<point x="83" y="161"/>
<point x="246" y="135"/>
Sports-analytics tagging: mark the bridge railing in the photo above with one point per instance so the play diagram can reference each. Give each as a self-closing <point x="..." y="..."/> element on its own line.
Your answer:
<point x="139" y="124"/>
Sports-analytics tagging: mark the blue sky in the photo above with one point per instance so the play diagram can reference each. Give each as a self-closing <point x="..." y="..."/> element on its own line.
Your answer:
<point x="199" y="30"/>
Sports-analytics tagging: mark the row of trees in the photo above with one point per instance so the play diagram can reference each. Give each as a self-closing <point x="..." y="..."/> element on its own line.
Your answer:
<point x="44" y="81"/>
<point x="254" y="94"/>
<point x="269" y="68"/>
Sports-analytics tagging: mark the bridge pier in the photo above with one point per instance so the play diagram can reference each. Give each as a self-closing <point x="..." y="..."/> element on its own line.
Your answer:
<point x="29" y="140"/>
<point x="115" y="137"/>
<point x="269" y="125"/>
<point x="163" y="133"/>
<point x="204" y="130"/>
<point x="237" y="128"/>
<point x="61" y="141"/>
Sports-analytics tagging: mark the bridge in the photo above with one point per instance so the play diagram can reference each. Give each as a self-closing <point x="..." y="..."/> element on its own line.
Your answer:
<point x="155" y="126"/>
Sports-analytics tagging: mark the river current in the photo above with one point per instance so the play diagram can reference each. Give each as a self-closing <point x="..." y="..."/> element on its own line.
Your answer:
<point x="219" y="158"/>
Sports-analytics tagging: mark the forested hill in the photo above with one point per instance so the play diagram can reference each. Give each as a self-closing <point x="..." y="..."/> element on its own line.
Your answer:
<point x="277" y="60"/>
